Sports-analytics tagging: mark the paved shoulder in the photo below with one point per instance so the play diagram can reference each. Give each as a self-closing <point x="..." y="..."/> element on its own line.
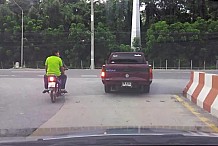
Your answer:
<point x="125" y="110"/>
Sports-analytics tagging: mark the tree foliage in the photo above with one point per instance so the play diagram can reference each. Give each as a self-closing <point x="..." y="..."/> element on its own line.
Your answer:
<point x="170" y="29"/>
<point x="189" y="41"/>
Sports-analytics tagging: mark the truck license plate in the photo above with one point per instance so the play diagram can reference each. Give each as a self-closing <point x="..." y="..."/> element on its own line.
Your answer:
<point x="126" y="84"/>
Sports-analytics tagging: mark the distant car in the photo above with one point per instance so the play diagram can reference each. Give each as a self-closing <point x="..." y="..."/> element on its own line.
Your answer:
<point x="126" y="70"/>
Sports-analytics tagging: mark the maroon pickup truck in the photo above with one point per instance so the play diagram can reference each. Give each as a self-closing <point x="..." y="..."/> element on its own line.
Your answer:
<point x="126" y="70"/>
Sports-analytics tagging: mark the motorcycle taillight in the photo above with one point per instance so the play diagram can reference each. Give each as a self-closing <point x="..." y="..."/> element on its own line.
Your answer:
<point x="51" y="79"/>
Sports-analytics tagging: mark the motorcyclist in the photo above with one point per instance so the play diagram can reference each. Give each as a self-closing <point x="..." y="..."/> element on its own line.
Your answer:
<point x="54" y="66"/>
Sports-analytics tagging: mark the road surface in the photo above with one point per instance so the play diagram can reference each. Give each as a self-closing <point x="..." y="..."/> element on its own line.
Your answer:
<point x="23" y="108"/>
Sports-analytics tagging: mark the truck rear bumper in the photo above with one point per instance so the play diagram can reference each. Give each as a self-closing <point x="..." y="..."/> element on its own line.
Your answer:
<point x="134" y="83"/>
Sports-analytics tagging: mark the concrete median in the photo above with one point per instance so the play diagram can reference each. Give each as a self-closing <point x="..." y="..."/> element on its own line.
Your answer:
<point x="202" y="90"/>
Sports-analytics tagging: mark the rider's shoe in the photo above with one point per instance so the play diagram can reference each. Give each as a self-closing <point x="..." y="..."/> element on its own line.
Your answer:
<point x="46" y="90"/>
<point x="63" y="91"/>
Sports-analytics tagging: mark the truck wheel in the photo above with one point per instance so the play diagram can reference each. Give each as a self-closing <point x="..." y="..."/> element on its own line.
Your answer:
<point x="145" y="88"/>
<point x="107" y="88"/>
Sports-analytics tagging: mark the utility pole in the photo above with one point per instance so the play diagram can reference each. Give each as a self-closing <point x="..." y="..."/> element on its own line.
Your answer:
<point x="92" y="66"/>
<point x="21" y="52"/>
<point x="21" y="48"/>
<point x="136" y="30"/>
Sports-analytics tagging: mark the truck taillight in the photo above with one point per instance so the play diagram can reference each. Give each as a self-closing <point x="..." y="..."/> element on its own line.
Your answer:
<point x="150" y="73"/>
<point x="103" y="72"/>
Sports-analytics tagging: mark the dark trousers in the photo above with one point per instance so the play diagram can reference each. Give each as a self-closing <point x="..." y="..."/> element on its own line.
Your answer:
<point x="63" y="79"/>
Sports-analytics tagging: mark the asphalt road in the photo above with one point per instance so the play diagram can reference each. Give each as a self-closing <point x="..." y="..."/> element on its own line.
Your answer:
<point x="23" y="107"/>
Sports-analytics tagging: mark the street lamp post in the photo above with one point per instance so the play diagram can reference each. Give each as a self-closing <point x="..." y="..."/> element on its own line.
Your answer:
<point x="21" y="49"/>
<point x="92" y="66"/>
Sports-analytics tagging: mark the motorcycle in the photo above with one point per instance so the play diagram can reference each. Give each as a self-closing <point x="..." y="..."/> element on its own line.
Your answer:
<point x="54" y="86"/>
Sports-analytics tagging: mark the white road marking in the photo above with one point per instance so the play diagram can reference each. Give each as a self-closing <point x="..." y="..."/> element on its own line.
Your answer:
<point x="89" y="76"/>
<point x="166" y="72"/>
<point x="28" y="71"/>
<point x="7" y="75"/>
<point x="40" y="75"/>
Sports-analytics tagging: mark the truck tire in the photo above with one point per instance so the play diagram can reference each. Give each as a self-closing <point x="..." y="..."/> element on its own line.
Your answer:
<point x="107" y="88"/>
<point x="145" y="88"/>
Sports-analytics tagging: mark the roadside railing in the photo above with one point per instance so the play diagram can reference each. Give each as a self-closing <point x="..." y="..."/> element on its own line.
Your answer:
<point x="164" y="65"/>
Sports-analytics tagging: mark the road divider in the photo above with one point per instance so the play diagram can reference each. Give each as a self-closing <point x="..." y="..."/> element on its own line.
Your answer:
<point x="202" y="89"/>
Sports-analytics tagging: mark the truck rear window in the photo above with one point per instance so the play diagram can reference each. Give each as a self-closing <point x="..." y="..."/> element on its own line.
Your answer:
<point x="127" y="58"/>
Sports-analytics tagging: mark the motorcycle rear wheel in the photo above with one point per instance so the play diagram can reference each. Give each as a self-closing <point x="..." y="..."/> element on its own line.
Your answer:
<point x="53" y="96"/>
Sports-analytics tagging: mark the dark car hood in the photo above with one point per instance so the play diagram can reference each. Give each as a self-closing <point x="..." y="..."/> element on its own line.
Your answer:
<point x="121" y="136"/>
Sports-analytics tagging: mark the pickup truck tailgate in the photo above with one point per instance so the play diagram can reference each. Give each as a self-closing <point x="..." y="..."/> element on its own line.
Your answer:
<point x="127" y="72"/>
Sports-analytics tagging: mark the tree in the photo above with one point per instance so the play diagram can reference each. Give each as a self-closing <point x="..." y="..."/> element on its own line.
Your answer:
<point x="24" y="4"/>
<point x="103" y="43"/>
<point x="187" y="41"/>
<point x="213" y="9"/>
<point x="2" y="1"/>
<point x="170" y="29"/>
<point x="51" y="10"/>
<point x="33" y="13"/>
<point x="79" y="36"/>
<point x="119" y="17"/>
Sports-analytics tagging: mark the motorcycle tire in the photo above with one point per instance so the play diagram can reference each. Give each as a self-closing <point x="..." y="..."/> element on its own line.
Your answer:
<point x="53" y="96"/>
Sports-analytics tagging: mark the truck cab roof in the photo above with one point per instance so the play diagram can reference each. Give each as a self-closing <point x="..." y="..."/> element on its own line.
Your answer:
<point x="127" y="58"/>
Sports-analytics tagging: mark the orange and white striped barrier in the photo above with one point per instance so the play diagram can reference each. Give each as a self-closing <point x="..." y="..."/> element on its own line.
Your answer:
<point x="202" y="90"/>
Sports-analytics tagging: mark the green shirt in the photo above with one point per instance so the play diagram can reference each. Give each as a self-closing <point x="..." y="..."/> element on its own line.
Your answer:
<point x="53" y="63"/>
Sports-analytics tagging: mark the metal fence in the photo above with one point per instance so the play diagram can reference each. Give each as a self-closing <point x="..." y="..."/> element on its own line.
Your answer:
<point x="160" y="64"/>
<point x="179" y="64"/>
<point x="8" y="65"/>
<point x="40" y="65"/>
